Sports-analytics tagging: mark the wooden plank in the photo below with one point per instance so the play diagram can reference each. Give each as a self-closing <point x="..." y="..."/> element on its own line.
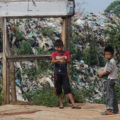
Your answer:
<point x="29" y="58"/>
<point x="41" y="8"/>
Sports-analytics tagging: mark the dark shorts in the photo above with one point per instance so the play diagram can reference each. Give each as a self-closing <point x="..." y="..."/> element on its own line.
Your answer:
<point x="61" y="82"/>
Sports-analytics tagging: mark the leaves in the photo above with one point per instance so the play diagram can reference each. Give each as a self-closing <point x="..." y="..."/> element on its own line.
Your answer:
<point x="113" y="33"/>
<point x="114" y="7"/>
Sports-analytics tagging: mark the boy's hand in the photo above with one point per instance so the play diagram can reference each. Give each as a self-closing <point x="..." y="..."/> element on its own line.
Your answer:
<point x="103" y="74"/>
<point x="100" y="76"/>
<point x="63" y="60"/>
<point x="56" y="61"/>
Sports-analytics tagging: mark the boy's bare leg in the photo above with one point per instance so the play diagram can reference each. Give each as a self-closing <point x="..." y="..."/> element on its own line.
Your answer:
<point x="70" y="97"/>
<point x="60" y="100"/>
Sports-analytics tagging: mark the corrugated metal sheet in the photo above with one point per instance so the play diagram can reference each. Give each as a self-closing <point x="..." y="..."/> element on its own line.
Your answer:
<point x="21" y="8"/>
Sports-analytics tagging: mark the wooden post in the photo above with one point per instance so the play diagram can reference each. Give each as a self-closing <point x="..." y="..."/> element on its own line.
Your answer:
<point x="66" y="32"/>
<point x="66" y="38"/>
<point x="8" y="70"/>
<point x="5" y="65"/>
<point x="12" y="85"/>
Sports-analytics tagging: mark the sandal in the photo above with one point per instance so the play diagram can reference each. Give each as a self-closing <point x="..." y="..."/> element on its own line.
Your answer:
<point x="116" y="112"/>
<point x="107" y="112"/>
<point x="76" y="107"/>
<point x="61" y="107"/>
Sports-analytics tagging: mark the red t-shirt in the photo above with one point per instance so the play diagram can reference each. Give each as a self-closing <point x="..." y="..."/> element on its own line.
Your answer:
<point x="61" y="68"/>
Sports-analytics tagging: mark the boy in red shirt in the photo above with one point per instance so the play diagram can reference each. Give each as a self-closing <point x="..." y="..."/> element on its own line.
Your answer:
<point x="60" y="58"/>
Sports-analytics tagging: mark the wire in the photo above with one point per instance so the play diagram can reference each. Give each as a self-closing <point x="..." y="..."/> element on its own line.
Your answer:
<point x="34" y="3"/>
<point x="28" y="5"/>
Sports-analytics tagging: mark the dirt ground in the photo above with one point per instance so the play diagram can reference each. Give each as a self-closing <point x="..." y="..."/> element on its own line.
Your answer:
<point x="32" y="112"/>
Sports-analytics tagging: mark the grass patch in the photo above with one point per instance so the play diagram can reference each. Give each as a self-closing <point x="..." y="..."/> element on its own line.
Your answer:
<point x="46" y="97"/>
<point x="43" y="97"/>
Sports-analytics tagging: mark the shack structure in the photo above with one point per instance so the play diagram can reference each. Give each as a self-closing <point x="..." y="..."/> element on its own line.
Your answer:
<point x="16" y="9"/>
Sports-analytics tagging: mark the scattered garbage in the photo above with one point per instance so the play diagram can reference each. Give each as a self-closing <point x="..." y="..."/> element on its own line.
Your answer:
<point x="42" y="32"/>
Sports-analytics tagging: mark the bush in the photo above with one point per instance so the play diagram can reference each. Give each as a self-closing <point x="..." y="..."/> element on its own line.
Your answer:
<point x="25" y="48"/>
<point x="47" y="31"/>
<point x="43" y="97"/>
<point x="31" y="73"/>
<point x="79" y="96"/>
<point x="99" y="101"/>
<point x="46" y="97"/>
<point x="86" y="56"/>
<point x="1" y="98"/>
<point x="42" y="51"/>
<point x="90" y="56"/>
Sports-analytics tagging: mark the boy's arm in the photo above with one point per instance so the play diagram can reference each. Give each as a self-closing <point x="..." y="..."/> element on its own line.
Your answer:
<point x="109" y="69"/>
<point x="55" y="61"/>
<point x="103" y="74"/>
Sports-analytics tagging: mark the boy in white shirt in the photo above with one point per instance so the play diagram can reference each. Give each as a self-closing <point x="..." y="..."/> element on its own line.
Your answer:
<point x="110" y="73"/>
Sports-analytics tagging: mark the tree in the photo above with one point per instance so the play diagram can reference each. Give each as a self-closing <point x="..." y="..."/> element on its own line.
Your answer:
<point x="113" y="33"/>
<point x="114" y="7"/>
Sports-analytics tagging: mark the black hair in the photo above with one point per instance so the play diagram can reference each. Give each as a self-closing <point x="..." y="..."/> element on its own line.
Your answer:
<point x="58" y="43"/>
<point x="118" y="53"/>
<point x="109" y="49"/>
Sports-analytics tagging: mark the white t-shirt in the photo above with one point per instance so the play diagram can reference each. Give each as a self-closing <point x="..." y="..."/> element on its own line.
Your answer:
<point x="112" y="68"/>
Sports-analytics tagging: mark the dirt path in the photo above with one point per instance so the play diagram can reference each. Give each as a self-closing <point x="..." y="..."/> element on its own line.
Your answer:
<point x="27" y="112"/>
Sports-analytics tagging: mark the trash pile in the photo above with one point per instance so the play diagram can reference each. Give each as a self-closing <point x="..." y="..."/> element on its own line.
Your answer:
<point x="39" y="32"/>
<point x="86" y="78"/>
<point x="91" y="30"/>
<point x="42" y="32"/>
<point x="94" y="24"/>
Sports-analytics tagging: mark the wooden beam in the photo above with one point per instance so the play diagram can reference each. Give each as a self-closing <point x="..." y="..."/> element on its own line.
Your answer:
<point x="12" y="85"/>
<point x="5" y="65"/>
<point x="66" y="32"/>
<point x="29" y="58"/>
<point x="8" y="70"/>
<point x="10" y="74"/>
<point x="66" y="38"/>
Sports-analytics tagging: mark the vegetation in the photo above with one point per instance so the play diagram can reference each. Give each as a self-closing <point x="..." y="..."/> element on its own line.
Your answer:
<point x="46" y="97"/>
<point x="114" y="7"/>
<point x="24" y="48"/>
<point x="42" y="51"/>
<point x="42" y="97"/>
<point x="1" y="98"/>
<point x="90" y="51"/>
<point x="47" y="32"/>
<point x="113" y="33"/>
